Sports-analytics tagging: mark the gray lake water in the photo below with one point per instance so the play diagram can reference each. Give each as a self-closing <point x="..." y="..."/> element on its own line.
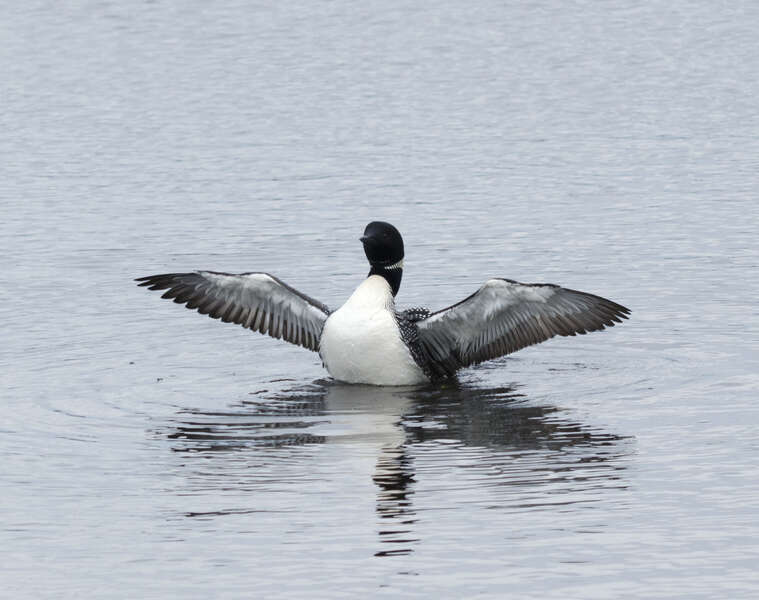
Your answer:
<point x="149" y="452"/>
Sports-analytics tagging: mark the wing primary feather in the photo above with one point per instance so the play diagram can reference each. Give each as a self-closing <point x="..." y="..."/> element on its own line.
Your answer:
<point x="504" y="316"/>
<point x="257" y="301"/>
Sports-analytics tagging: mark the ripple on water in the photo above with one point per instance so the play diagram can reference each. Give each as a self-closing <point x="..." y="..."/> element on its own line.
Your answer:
<point x="483" y="447"/>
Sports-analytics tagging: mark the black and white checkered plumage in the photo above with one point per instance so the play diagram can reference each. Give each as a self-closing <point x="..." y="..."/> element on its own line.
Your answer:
<point x="407" y="323"/>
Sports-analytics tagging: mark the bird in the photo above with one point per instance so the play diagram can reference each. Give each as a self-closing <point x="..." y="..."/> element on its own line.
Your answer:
<point x="368" y="341"/>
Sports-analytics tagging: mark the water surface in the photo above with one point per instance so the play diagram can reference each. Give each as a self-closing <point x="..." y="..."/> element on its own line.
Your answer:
<point x="150" y="452"/>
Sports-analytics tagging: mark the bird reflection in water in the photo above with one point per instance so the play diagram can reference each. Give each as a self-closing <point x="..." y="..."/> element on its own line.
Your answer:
<point x="496" y="438"/>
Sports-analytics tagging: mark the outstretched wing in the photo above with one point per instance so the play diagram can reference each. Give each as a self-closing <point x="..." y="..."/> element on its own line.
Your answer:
<point x="257" y="301"/>
<point x="504" y="316"/>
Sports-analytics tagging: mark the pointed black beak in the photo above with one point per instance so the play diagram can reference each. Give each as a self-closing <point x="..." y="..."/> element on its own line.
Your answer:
<point x="366" y="238"/>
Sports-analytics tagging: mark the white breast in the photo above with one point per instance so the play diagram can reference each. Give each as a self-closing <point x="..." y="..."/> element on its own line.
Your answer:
<point x="361" y="343"/>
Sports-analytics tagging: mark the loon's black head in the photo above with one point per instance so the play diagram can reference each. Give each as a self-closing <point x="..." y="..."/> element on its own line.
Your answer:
<point x="383" y="246"/>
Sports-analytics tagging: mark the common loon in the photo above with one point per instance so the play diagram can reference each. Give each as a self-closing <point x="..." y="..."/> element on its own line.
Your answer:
<point x="368" y="341"/>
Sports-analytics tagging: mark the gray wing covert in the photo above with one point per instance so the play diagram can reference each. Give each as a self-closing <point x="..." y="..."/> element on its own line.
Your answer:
<point x="504" y="316"/>
<point x="257" y="301"/>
